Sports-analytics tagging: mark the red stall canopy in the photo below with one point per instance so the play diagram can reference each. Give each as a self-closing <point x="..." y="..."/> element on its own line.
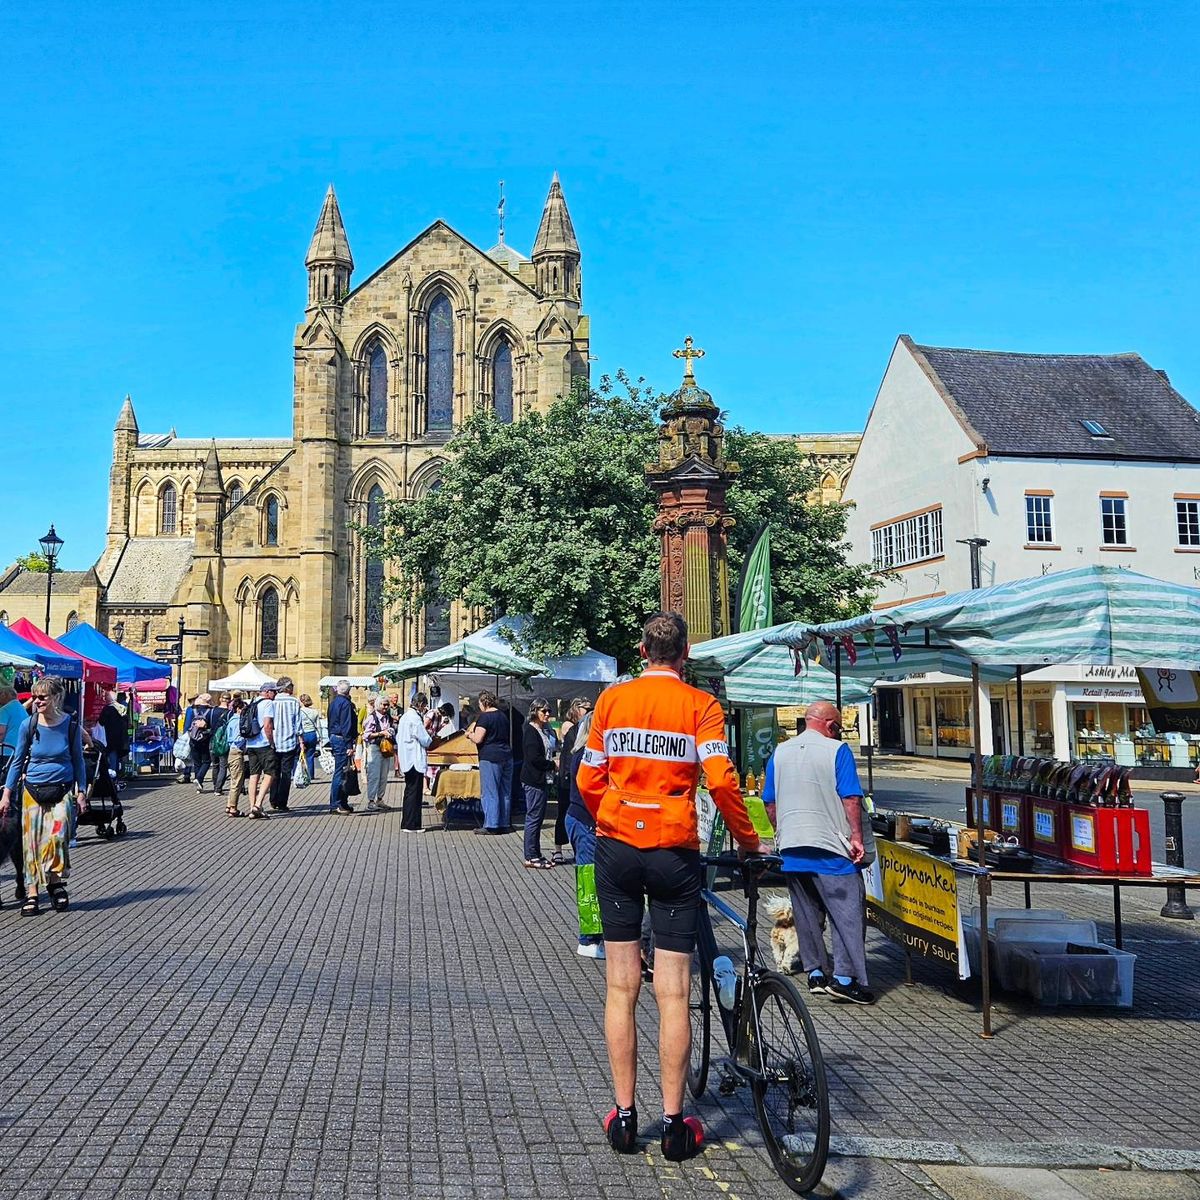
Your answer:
<point x="93" y="672"/>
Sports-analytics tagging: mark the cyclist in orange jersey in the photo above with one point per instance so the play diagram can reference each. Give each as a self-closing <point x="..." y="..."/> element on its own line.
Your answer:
<point x="648" y="742"/>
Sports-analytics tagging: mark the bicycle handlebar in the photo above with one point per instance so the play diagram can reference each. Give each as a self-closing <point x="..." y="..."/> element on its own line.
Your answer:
<point x="731" y="860"/>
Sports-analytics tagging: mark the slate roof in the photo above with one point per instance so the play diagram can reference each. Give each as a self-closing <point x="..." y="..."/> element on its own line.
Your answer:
<point x="33" y="583"/>
<point x="150" y="570"/>
<point x="1034" y="404"/>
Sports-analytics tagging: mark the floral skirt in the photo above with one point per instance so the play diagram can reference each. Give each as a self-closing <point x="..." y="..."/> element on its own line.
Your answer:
<point x="45" y="835"/>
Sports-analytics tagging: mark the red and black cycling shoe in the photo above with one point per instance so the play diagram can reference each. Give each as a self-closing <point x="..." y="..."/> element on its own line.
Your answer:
<point x="682" y="1138"/>
<point x="622" y="1131"/>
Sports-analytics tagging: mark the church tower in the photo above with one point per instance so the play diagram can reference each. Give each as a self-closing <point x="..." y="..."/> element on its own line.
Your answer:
<point x="556" y="252"/>
<point x="125" y="442"/>
<point x="329" y="260"/>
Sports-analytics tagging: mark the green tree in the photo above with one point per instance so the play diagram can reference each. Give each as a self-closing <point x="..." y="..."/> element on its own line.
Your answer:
<point x="35" y="560"/>
<point x="551" y="517"/>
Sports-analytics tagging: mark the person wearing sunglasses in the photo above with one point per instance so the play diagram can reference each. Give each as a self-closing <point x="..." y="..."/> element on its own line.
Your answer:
<point x="45" y="774"/>
<point x="815" y="800"/>
<point x="537" y="766"/>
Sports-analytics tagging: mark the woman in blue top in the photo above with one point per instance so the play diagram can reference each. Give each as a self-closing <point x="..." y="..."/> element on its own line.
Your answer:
<point x="48" y="767"/>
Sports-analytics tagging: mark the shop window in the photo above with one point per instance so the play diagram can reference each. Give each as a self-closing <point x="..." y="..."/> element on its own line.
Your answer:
<point x="953" y="719"/>
<point x="1113" y="524"/>
<point x="268" y="617"/>
<point x="1039" y="525"/>
<point x="439" y="392"/>
<point x="1187" y="522"/>
<point x="923" y="718"/>
<point x="377" y="401"/>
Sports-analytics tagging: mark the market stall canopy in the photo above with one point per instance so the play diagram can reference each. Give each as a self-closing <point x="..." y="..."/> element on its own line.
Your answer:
<point x="61" y="665"/>
<point x="754" y="673"/>
<point x="1094" y="616"/>
<point x="355" y="681"/>
<point x="10" y="657"/>
<point x="92" y="671"/>
<point x="87" y="640"/>
<point x="247" y="678"/>
<point x="470" y="652"/>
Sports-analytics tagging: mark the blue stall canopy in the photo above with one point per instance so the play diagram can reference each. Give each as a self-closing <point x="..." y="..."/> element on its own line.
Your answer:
<point x="52" y="664"/>
<point x="87" y="640"/>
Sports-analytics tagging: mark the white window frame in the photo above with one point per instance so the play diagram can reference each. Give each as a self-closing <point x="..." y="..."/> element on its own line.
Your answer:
<point x="1187" y="524"/>
<point x="908" y="541"/>
<point x="1039" y="523"/>
<point x="1114" y="509"/>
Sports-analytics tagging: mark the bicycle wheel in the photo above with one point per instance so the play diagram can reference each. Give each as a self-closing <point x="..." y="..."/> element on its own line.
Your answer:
<point x="791" y="1098"/>
<point x="700" y="1014"/>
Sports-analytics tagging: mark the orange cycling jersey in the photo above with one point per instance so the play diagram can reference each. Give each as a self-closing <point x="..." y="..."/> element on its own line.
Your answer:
<point x="638" y="777"/>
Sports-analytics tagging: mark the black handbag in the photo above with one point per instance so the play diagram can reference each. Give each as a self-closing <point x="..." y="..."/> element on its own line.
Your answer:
<point x="48" y="793"/>
<point x="350" y="782"/>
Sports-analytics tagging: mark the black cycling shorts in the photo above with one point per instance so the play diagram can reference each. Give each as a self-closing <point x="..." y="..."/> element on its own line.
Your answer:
<point x="627" y="876"/>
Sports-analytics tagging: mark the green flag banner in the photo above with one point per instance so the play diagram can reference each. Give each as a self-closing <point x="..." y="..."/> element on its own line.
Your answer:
<point x="755" y="611"/>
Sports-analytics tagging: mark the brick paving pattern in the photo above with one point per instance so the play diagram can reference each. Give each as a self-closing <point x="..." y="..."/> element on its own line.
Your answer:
<point x="324" y="1006"/>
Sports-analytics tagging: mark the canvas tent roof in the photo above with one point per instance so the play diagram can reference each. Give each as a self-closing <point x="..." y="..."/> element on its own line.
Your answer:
<point x="12" y="651"/>
<point x="248" y="677"/>
<point x="92" y="671"/>
<point x="87" y="640"/>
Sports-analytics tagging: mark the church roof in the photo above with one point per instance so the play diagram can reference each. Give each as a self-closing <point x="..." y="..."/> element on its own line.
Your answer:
<point x="510" y="259"/>
<point x="150" y="570"/>
<point x="1037" y="404"/>
<point x="160" y="441"/>
<point x="33" y="583"/>
<point x="555" y="233"/>
<point x="329" y="242"/>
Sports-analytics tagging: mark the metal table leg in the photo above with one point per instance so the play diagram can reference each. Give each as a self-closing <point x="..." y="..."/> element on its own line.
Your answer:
<point x="1117" y="915"/>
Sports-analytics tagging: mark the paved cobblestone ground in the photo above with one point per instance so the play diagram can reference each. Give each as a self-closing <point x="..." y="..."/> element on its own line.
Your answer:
<point x="325" y="1006"/>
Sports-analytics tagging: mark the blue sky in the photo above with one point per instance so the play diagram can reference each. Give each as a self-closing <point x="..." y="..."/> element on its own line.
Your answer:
<point x="792" y="184"/>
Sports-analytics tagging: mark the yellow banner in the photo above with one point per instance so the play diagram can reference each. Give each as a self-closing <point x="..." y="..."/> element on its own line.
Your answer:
<point x="913" y="898"/>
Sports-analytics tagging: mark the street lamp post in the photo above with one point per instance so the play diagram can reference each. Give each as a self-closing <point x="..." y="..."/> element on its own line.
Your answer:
<point x="51" y="544"/>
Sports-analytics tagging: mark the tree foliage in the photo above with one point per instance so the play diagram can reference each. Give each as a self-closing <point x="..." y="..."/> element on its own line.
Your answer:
<point x="34" y="561"/>
<point x="551" y="517"/>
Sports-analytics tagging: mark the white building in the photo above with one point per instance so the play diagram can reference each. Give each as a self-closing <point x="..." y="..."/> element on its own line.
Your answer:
<point x="1053" y="461"/>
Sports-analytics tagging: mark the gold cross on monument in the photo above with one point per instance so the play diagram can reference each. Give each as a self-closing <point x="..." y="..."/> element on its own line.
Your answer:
<point x="687" y="354"/>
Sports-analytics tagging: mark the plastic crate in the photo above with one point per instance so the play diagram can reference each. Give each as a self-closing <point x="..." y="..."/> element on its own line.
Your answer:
<point x="1052" y="919"/>
<point x="1087" y="974"/>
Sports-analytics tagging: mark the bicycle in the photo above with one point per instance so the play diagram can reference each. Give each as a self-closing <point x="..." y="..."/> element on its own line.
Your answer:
<point x="773" y="1044"/>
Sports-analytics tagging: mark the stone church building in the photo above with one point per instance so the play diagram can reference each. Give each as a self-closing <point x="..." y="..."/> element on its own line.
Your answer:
<point x="251" y="538"/>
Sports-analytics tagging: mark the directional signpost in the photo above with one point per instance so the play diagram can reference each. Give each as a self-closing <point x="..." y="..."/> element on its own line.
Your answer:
<point x="171" y="652"/>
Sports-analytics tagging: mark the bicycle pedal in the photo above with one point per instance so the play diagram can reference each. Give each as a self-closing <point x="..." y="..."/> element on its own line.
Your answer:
<point x="728" y="1085"/>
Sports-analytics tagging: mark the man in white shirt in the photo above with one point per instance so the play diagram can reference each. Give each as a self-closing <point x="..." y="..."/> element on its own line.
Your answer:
<point x="412" y="741"/>
<point x="287" y="742"/>
<point x="260" y="750"/>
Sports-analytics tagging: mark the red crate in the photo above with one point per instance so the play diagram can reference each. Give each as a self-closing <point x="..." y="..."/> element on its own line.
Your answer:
<point x="991" y="810"/>
<point x="1046" y="825"/>
<point x="1116" y="840"/>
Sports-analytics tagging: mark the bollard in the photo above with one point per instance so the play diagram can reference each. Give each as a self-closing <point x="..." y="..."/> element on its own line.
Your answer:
<point x="1176" y="906"/>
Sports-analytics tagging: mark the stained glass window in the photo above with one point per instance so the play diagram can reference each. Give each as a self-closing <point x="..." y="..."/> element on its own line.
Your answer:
<point x="440" y="392"/>
<point x="373" y="623"/>
<point x="271" y="522"/>
<point x="502" y="382"/>
<point x="268" y="621"/>
<point x="168" y="509"/>
<point x="377" y="382"/>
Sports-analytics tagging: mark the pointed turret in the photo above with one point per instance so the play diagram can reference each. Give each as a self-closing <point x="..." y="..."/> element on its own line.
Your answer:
<point x="127" y="421"/>
<point x="211" y="483"/>
<point x="329" y="260"/>
<point x="555" y="249"/>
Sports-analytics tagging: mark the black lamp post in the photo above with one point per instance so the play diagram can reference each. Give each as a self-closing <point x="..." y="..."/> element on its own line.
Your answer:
<point x="51" y="544"/>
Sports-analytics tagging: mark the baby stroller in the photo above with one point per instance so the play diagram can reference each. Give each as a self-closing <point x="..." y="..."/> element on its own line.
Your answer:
<point x="105" y="809"/>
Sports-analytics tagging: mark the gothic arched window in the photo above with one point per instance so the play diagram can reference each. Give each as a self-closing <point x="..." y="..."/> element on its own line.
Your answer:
<point x="236" y="492"/>
<point x="373" y="616"/>
<point x="502" y="382"/>
<point x="439" y="393"/>
<point x="4" y="617"/>
<point x="72" y="621"/>
<point x="268" y="624"/>
<point x="168" y="509"/>
<point x="377" y="384"/>
<point x="437" y="619"/>
<point x="271" y="521"/>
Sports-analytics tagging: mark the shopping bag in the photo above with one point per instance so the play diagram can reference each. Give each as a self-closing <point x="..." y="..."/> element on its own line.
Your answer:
<point x="325" y="758"/>
<point x="182" y="750"/>
<point x="350" y="782"/>
<point x="300" y="777"/>
<point x="587" y="900"/>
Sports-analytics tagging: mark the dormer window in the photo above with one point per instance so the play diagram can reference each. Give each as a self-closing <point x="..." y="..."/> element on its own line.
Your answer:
<point x="1095" y="428"/>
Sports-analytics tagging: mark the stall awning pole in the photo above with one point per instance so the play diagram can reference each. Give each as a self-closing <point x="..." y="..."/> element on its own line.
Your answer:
<point x="985" y="882"/>
<point x="837" y="665"/>
<point x="1020" y="712"/>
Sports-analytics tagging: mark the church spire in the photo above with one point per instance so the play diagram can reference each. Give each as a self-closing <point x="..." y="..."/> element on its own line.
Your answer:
<point x="127" y="420"/>
<point x="329" y="260"/>
<point x="555" y="249"/>
<point x="211" y="482"/>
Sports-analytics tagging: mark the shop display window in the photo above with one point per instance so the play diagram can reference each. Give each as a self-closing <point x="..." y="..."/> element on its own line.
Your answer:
<point x="923" y="719"/>
<point x="954" y="719"/>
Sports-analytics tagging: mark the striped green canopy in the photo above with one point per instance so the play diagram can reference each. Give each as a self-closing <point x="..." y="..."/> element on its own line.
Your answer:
<point x="754" y="673"/>
<point x="1093" y="616"/>
<point x="471" y="653"/>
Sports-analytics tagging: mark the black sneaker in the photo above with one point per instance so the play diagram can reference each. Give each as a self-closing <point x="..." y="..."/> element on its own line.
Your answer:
<point x="682" y="1139"/>
<point x="852" y="992"/>
<point x="818" y="983"/>
<point x="622" y="1131"/>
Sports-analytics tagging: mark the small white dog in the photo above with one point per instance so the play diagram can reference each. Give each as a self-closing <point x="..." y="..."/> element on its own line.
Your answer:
<point x="784" y="943"/>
